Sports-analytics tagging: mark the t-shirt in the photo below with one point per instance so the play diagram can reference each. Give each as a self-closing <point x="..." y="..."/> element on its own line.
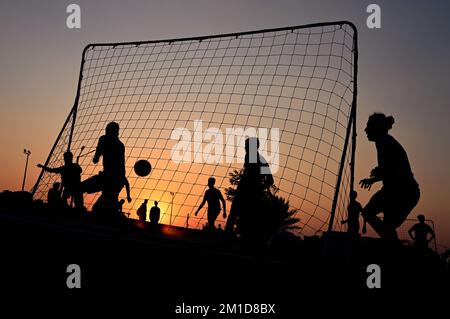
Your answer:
<point x="353" y="209"/>
<point x="421" y="231"/>
<point x="256" y="175"/>
<point x="142" y="212"/>
<point x="393" y="163"/>
<point x="213" y="197"/>
<point x="113" y="152"/>
<point x="70" y="176"/>
<point x="154" y="211"/>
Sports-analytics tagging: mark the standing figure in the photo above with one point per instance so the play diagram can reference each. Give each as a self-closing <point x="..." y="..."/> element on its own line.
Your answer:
<point x="400" y="192"/>
<point x="113" y="152"/>
<point x="155" y="213"/>
<point x="142" y="211"/>
<point x="354" y="209"/>
<point x="70" y="179"/>
<point x="213" y="196"/>
<point x="419" y="233"/>
<point x="256" y="179"/>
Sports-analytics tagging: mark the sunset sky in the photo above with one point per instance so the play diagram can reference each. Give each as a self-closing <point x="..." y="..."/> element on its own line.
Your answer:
<point x="403" y="71"/>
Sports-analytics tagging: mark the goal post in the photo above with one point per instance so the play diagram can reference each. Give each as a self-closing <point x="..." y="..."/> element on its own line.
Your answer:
<point x="187" y="104"/>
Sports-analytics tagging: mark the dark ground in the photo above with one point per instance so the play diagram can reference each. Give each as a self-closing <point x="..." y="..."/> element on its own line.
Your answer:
<point x="133" y="260"/>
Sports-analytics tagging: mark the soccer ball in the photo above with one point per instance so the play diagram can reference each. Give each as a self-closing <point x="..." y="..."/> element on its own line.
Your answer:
<point x="142" y="168"/>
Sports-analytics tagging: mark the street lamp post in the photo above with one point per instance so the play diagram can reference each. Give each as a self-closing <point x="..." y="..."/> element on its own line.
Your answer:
<point x="27" y="153"/>
<point x="171" y="207"/>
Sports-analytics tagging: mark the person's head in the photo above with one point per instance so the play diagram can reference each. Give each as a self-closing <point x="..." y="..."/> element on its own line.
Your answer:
<point x="68" y="157"/>
<point x="145" y="201"/>
<point x="353" y="195"/>
<point x="56" y="185"/>
<point x="421" y="218"/>
<point x="112" y="129"/>
<point x="251" y="143"/>
<point x="156" y="203"/>
<point x="211" y="182"/>
<point x="378" y="125"/>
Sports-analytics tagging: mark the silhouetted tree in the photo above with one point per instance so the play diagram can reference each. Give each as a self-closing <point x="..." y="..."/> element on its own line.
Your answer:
<point x="274" y="216"/>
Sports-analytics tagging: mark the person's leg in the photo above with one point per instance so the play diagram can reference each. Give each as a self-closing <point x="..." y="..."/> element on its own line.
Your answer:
<point x="232" y="216"/>
<point x="374" y="207"/>
<point x="398" y="207"/>
<point x="78" y="200"/>
<point x="212" y="216"/>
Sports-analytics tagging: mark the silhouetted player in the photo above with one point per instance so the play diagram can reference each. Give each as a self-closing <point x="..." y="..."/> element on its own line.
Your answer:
<point x="256" y="178"/>
<point x="142" y="211"/>
<point x="71" y="180"/>
<point x="353" y="210"/>
<point x="113" y="152"/>
<point x="155" y="213"/>
<point x="400" y="192"/>
<point x="419" y="233"/>
<point x="213" y="196"/>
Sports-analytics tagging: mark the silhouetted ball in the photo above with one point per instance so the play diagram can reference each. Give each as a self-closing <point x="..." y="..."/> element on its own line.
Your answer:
<point x="142" y="168"/>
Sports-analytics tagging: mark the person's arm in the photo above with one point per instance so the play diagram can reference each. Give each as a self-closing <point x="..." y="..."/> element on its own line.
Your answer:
<point x="127" y="188"/>
<point x="433" y="235"/>
<point x="224" y="205"/>
<point x="364" y="228"/>
<point x="375" y="176"/>
<point x="49" y="169"/>
<point x="201" y="205"/>
<point x="410" y="233"/>
<point x="98" y="150"/>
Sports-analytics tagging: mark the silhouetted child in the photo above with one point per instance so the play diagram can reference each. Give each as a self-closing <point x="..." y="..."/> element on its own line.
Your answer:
<point x="113" y="152"/>
<point x="54" y="200"/>
<point x="354" y="209"/>
<point x="213" y="196"/>
<point x="142" y="211"/>
<point x="70" y="179"/>
<point x="421" y="231"/>
<point x="155" y="213"/>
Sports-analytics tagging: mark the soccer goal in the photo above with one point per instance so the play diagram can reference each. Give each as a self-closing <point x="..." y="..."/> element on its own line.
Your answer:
<point x="296" y="86"/>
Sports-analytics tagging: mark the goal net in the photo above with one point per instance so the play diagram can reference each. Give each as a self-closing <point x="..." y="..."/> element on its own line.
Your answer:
<point x="186" y="106"/>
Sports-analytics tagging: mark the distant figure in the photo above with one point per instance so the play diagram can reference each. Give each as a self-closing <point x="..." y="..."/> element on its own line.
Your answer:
<point x="213" y="196"/>
<point x="155" y="213"/>
<point x="71" y="180"/>
<point x="255" y="180"/>
<point x="142" y="211"/>
<point x="113" y="152"/>
<point x="54" y="200"/>
<point x="419" y="233"/>
<point x="400" y="192"/>
<point x="354" y="209"/>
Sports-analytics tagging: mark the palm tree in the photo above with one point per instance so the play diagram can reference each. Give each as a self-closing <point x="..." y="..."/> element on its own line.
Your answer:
<point x="274" y="215"/>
